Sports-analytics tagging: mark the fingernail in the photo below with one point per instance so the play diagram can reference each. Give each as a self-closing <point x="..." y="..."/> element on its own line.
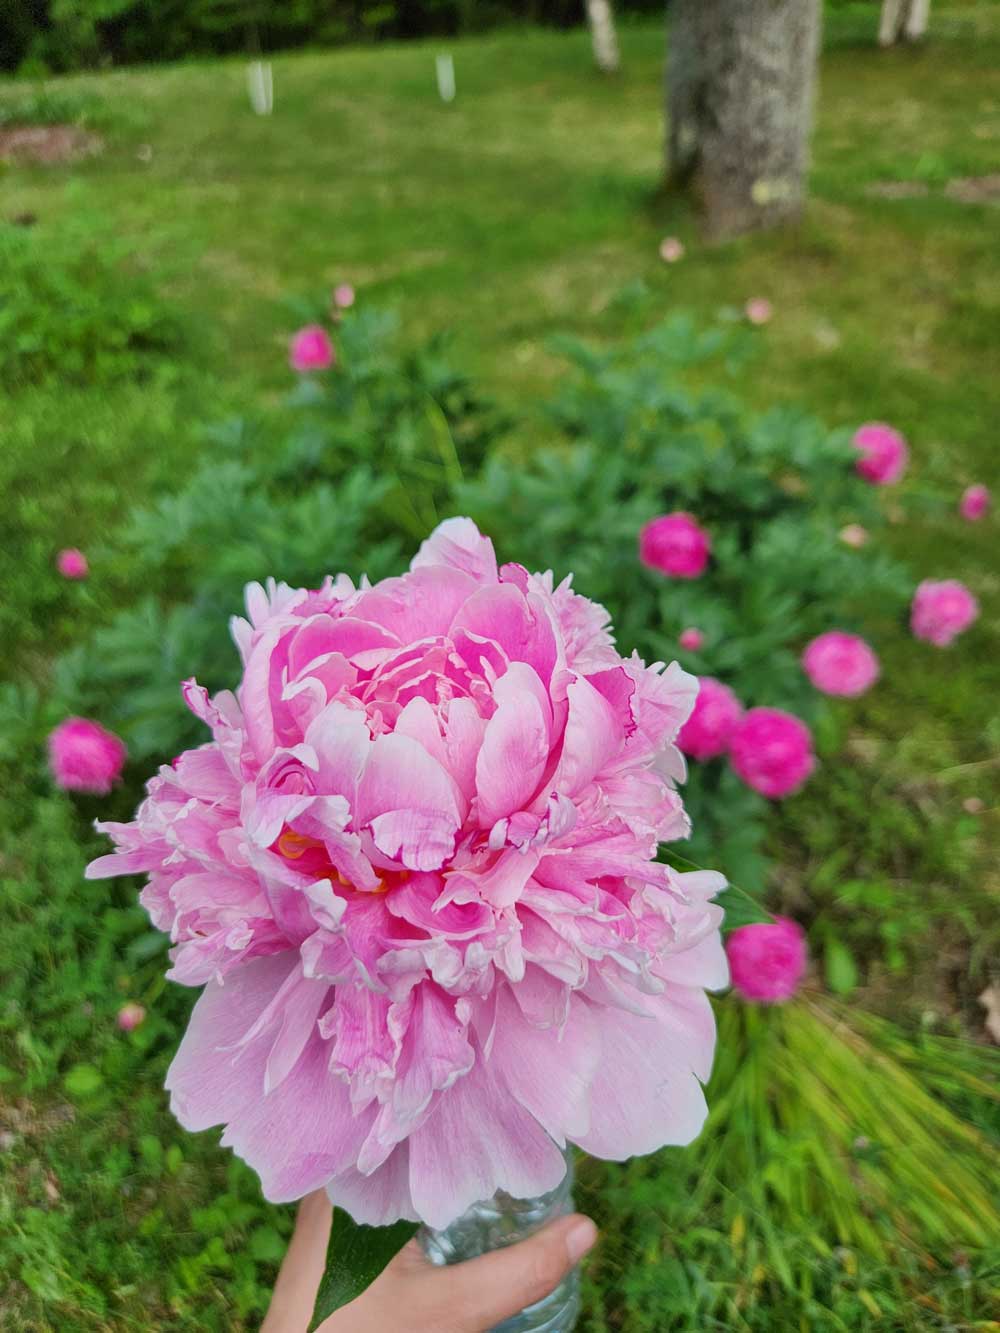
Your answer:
<point x="581" y="1238"/>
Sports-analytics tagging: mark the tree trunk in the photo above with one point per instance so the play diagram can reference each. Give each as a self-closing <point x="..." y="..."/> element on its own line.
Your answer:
<point x="903" y="20"/>
<point x="741" y="78"/>
<point x="602" y="33"/>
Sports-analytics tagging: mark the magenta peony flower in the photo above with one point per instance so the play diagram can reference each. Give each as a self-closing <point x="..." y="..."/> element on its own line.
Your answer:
<point x="675" y="545"/>
<point x="759" y="310"/>
<point x="343" y="296"/>
<point x="311" y="349"/>
<point x="72" y="564"/>
<point x="414" y="869"/>
<point x="768" y="960"/>
<point x="941" y="610"/>
<point x="883" y="453"/>
<point x="671" y="249"/>
<point x="85" y="757"/>
<point x="772" y="752"/>
<point x="691" y="639"/>
<point x="839" y="663"/>
<point x="717" y="712"/>
<point x="854" y="535"/>
<point x="975" y="503"/>
<point x="130" y="1016"/>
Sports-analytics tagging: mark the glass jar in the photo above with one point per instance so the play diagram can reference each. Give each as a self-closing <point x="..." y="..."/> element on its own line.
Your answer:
<point x="504" y="1221"/>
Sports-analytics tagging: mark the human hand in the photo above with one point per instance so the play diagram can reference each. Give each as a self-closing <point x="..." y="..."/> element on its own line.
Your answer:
<point x="414" y="1296"/>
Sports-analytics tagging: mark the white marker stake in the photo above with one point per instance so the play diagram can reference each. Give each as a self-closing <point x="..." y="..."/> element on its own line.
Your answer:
<point x="260" y="86"/>
<point x="446" y="77"/>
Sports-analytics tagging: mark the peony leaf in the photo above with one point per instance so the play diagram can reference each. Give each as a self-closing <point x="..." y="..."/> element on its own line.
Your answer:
<point x="356" y="1256"/>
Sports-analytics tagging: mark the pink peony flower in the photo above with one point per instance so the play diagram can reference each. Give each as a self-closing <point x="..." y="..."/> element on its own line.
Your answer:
<point x="975" y="503"/>
<point x="72" y="564"/>
<point x="691" y="640"/>
<point x="839" y="663"/>
<point x="343" y="296"/>
<point x="671" y="249"/>
<point x="85" y="757"/>
<point x="759" y="310"/>
<point x="883" y="453"/>
<point x="854" y="535"/>
<point x="130" y="1016"/>
<point x="941" y="610"/>
<point x="675" y="545"/>
<point x="772" y="752"/>
<point x="414" y="869"/>
<point x="767" y="960"/>
<point x="311" y="349"/>
<point x="717" y="712"/>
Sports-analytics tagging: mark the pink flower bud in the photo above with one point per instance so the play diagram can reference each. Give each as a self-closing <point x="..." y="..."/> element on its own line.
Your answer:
<point x="883" y="453"/>
<point x="130" y="1016"/>
<point x="83" y="756"/>
<point x="975" y="503"/>
<point x="758" y="310"/>
<point x="691" y="639"/>
<point x="854" y="535"/>
<point x="72" y="564"/>
<point x="671" y="249"/>
<point x="714" y="718"/>
<point x="941" y="610"/>
<point x="767" y="961"/>
<point x="675" y="545"/>
<point x="311" y="349"/>
<point x="772" y="752"/>
<point x="839" y="663"/>
<point x="343" y="296"/>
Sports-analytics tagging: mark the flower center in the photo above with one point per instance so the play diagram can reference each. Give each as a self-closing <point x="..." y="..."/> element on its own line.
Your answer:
<point x="299" y="847"/>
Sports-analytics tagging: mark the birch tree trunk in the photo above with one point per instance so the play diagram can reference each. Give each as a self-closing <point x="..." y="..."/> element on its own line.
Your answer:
<point x="903" y="20"/>
<point x="601" y="18"/>
<point x="741" y="78"/>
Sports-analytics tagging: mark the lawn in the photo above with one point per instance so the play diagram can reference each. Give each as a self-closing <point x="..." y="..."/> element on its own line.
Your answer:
<point x="514" y="213"/>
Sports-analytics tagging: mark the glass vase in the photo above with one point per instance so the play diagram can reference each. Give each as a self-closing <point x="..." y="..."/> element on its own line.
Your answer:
<point x="504" y="1221"/>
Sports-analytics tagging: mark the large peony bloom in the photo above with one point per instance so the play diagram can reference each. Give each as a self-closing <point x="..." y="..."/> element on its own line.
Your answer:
<point x="414" y="871"/>
<point x="84" y="756"/>
<point x="839" y="663"/>
<point x="883" y="453"/>
<point x="717" y="712"/>
<point x="771" y="751"/>
<point x="942" y="609"/>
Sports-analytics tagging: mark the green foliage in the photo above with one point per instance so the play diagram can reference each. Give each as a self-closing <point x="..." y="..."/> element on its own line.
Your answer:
<point x="773" y="490"/>
<point x="362" y="459"/>
<point x="53" y="104"/>
<point x="69" y="33"/>
<point x="831" y="1190"/>
<point x="77" y="306"/>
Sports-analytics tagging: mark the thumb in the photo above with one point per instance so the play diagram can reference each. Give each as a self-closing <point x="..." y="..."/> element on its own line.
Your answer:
<point x="481" y="1292"/>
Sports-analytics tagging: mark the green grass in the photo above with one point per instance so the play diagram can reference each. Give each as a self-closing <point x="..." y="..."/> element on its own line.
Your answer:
<point x="516" y="212"/>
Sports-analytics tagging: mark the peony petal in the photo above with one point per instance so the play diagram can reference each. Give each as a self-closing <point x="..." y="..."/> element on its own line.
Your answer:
<point x="503" y="1147"/>
<point x="646" y="1093"/>
<point x="524" y="1057"/>
<point x="515" y="748"/>
<point x="458" y="544"/>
